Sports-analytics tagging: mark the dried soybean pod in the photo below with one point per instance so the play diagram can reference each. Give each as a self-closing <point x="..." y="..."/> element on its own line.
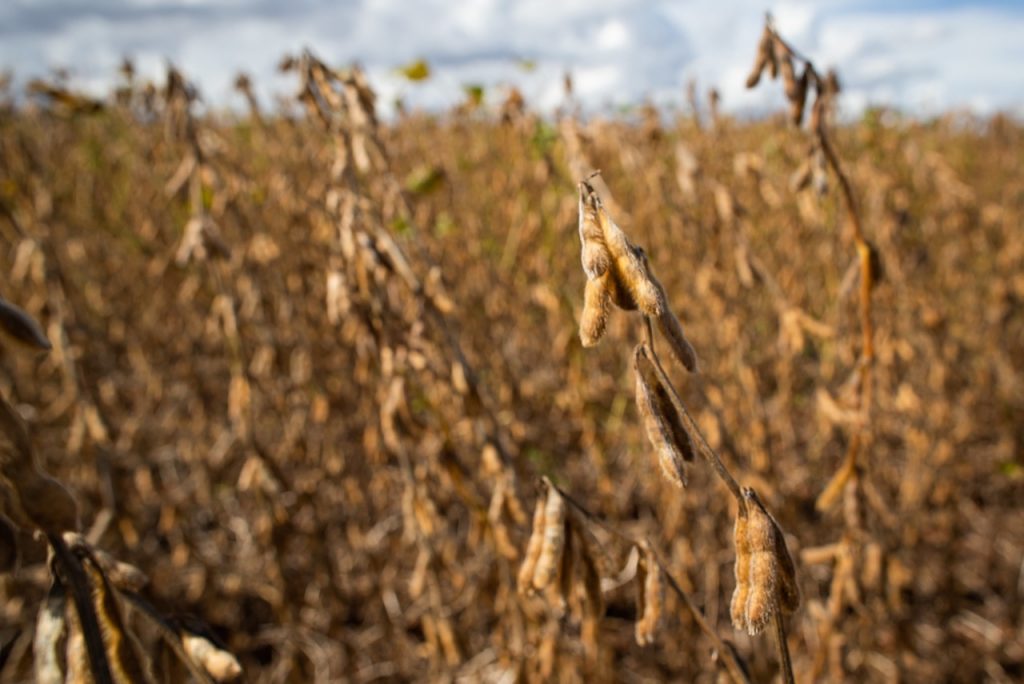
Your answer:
<point x="798" y="97"/>
<point x="788" y="589"/>
<point x="596" y="306"/>
<point x="218" y="663"/>
<point x="594" y="252"/>
<point x="772" y="574"/>
<point x="741" y="539"/>
<point x="640" y="580"/>
<point x="681" y="348"/>
<point x="662" y="422"/>
<point x="763" y="580"/>
<point x="788" y="72"/>
<point x="51" y="636"/>
<point x="653" y="598"/>
<point x="764" y="48"/>
<point x="627" y="262"/>
<point x="634" y="275"/>
<point x="554" y="539"/>
<point x="533" y="548"/>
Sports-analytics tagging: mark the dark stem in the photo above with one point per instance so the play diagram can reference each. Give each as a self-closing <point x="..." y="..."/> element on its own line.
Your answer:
<point x="81" y="594"/>
<point x="778" y="621"/>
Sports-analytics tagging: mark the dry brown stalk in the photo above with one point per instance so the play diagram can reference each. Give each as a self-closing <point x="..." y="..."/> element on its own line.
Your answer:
<point x="826" y="89"/>
<point x="766" y="580"/>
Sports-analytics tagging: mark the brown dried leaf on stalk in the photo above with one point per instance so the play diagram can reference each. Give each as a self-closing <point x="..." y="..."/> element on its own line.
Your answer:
<point x="662" y="422"/>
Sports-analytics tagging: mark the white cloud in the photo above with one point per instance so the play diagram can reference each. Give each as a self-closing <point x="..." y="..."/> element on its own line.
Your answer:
<point x="620" y="51"/>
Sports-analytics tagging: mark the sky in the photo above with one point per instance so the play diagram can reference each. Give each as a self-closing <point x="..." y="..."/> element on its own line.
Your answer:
<point x="919" y="56"/>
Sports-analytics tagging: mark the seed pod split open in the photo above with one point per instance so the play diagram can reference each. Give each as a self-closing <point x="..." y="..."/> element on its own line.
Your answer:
<point x="661" y="420"/>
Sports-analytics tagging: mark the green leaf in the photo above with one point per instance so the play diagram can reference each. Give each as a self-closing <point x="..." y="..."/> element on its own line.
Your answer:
<point x="425" y="179"/>
<point x="416" y="71"/>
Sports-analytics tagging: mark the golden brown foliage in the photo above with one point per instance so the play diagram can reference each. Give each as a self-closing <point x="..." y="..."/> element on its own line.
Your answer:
<point x="304" y="571"/>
